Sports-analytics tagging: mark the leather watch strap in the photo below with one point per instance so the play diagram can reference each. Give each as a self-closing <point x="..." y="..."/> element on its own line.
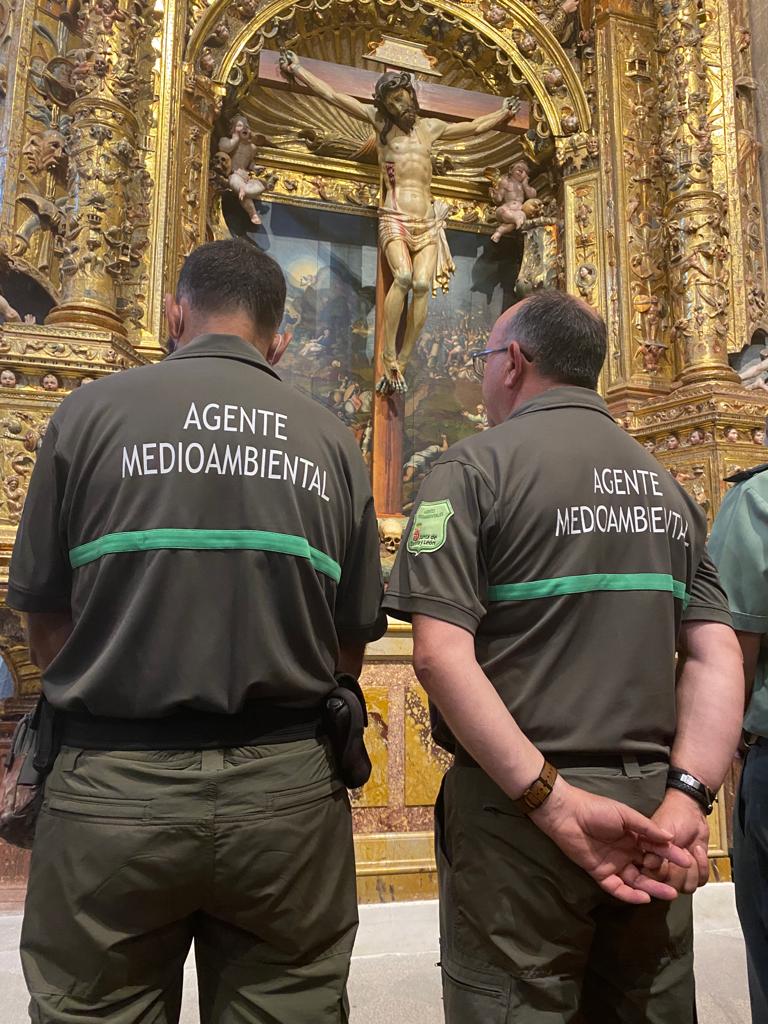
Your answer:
<point x="692" y="787"/>
<point x="539" y="790"/>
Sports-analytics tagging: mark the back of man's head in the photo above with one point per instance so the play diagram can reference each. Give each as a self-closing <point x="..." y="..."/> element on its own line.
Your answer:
<point x="232" y="277"/>
<point x="565" y="338"/>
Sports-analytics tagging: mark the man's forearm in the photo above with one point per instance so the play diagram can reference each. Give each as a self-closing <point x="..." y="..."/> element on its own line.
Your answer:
<point x="710" y="708"/>
<point x="350" y="660"/>
<point x="475" y="713"/>
<point x="750" y="652"/>
<point x="47" y="633"/>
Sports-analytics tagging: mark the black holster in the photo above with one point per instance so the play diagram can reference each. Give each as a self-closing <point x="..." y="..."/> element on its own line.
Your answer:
<point x="345" y="717"/>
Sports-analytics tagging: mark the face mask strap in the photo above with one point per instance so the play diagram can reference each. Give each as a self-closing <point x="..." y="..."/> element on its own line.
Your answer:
<point x="277" y="348"/>
<point x="172" y="344"/>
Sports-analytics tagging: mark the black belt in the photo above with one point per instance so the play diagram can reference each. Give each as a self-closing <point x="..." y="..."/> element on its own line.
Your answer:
<point x="190" y="730"/>
<point x="579" y="760"/>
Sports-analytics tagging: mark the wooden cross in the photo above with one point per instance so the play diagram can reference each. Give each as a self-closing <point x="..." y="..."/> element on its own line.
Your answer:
<point x="434" y="100"/>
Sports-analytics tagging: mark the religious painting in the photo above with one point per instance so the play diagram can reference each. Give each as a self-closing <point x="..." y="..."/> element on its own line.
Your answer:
<point x="329" y="260"/>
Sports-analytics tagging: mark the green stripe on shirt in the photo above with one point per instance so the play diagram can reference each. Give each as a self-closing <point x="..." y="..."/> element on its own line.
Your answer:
<point x="205" y="540"/>
<point x="563" y="585"/>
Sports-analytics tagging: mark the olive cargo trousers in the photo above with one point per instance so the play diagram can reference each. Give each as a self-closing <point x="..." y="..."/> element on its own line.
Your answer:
<point x="245" y="852"/>
<point x="528" y="937"/>
<point x="750" y="861"/>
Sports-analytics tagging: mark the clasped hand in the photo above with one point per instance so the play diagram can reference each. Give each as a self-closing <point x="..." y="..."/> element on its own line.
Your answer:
<point x="613" y="843"/>
<point x="682" y="816"/>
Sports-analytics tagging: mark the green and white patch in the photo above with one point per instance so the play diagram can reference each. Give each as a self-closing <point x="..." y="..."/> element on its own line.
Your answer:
<point x="429" y="528"/>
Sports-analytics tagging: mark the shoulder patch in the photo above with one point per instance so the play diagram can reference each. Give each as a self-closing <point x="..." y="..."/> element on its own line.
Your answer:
<point x="746" y="474"/>
<point x="430" y="524"/>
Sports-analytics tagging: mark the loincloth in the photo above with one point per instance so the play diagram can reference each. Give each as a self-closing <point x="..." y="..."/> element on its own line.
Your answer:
<point x="418" y="233"/>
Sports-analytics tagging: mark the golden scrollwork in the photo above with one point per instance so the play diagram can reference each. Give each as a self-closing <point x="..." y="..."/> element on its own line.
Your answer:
<point x="641" y="357"/>
<point x="727" y="53"/>
<point x="584" y="238"/>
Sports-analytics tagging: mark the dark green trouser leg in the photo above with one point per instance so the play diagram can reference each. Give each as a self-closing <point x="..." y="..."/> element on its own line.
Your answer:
<point x="750" y="871"/>
<point x="527" y="937"/>
<point x="246" y="852"/>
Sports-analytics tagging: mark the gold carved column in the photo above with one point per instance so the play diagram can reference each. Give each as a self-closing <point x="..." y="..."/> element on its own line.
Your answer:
<point x="103" y="237"/>
<point x="696" y="217"/>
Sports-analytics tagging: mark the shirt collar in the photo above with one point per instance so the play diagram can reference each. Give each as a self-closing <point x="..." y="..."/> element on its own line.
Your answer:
<point x="224" y="346"/>
<point x="564" y="398"/>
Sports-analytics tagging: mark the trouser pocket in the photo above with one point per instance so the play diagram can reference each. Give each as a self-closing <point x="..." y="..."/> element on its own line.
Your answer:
<point x="468" y="998"/>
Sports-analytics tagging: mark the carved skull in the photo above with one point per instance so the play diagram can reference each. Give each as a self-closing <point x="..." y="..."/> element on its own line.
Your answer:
<point x="390" y="534"/>
<point x="222" y="165"/>
<point x="45" y="151"/>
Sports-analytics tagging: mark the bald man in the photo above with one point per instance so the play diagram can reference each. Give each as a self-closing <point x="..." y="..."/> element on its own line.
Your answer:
<point x="552" y="569"/>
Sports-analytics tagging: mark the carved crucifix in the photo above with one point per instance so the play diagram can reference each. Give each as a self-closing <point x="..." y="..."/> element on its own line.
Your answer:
<point x="411" y="223"/>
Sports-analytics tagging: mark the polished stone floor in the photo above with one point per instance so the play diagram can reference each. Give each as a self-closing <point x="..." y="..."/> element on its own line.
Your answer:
<point x="395" y="981"/>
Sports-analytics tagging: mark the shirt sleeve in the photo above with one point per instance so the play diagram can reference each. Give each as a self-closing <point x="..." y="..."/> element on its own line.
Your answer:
<point x="739" y="548"/>
<point x="40" y="576"/>
<point x="359" y="616"/>
<point x="708" y="602"/>
<point x="440" y="568"/>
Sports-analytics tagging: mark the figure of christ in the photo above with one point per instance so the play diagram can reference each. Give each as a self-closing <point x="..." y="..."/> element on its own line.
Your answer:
<point x="411" y="224"/>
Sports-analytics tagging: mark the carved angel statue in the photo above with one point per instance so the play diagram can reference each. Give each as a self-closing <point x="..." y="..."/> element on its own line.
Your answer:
<point x="753" y="376"/>
<point x="7" y="312"/>
<point x="516" y="200"/>
<point x="243" y="174"/>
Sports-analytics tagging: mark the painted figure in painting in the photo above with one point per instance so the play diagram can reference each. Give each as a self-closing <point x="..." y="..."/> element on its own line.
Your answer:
<point x="411" y="223"/>
<point x="516" y="200"/>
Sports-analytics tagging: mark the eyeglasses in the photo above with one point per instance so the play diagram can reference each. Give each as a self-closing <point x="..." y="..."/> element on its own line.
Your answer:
<point x="479" y="358"/>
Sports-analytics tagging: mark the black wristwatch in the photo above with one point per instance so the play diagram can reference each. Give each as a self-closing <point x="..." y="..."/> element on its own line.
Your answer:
<point x="693" y="787"/>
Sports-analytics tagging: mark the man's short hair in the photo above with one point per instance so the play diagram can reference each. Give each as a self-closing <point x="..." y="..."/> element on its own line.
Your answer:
<point x="566" y="339"/>
<point x="224" y="276"/>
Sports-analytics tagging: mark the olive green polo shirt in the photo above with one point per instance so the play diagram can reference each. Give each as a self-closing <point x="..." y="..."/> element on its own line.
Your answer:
<point x="212" y="531"/>
<point x="739" y="546"/>
<point x="573" y="557"/>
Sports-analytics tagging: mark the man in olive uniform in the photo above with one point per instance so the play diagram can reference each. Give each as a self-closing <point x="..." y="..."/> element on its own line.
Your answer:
<point x="551" y="568"/>
<point x="198" y="556"/>
<point x="739" y="550"/>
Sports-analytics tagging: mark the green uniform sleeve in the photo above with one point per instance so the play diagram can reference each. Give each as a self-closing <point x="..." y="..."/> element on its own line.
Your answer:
<point x="359" y="616"/>
<point x="440" y="569"/>
<point x="708" y="602"/>
<point x="40" y="573"/>
<point x="740" y="550"/>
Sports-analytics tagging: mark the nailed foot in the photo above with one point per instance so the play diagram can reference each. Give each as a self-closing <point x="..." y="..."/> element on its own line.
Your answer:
<point x="392" y="382"/>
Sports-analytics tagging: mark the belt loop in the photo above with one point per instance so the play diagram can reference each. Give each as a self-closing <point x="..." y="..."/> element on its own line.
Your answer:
<point x="211" y="760"/>
<point x="631" y="766"/>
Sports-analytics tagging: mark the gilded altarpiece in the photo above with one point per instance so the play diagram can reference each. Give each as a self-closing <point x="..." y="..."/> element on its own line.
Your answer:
<point x="635" y="123"/>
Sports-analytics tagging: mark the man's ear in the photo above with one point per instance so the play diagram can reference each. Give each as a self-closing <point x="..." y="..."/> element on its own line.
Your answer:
<point x="173" y="316"/>
<point x="515" y="362"/>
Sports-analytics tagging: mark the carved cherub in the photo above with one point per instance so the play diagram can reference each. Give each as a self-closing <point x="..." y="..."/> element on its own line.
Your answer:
<point x="7" y="312"/>
<point x="241" y="152"/>
<point x="515" y="199"/>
